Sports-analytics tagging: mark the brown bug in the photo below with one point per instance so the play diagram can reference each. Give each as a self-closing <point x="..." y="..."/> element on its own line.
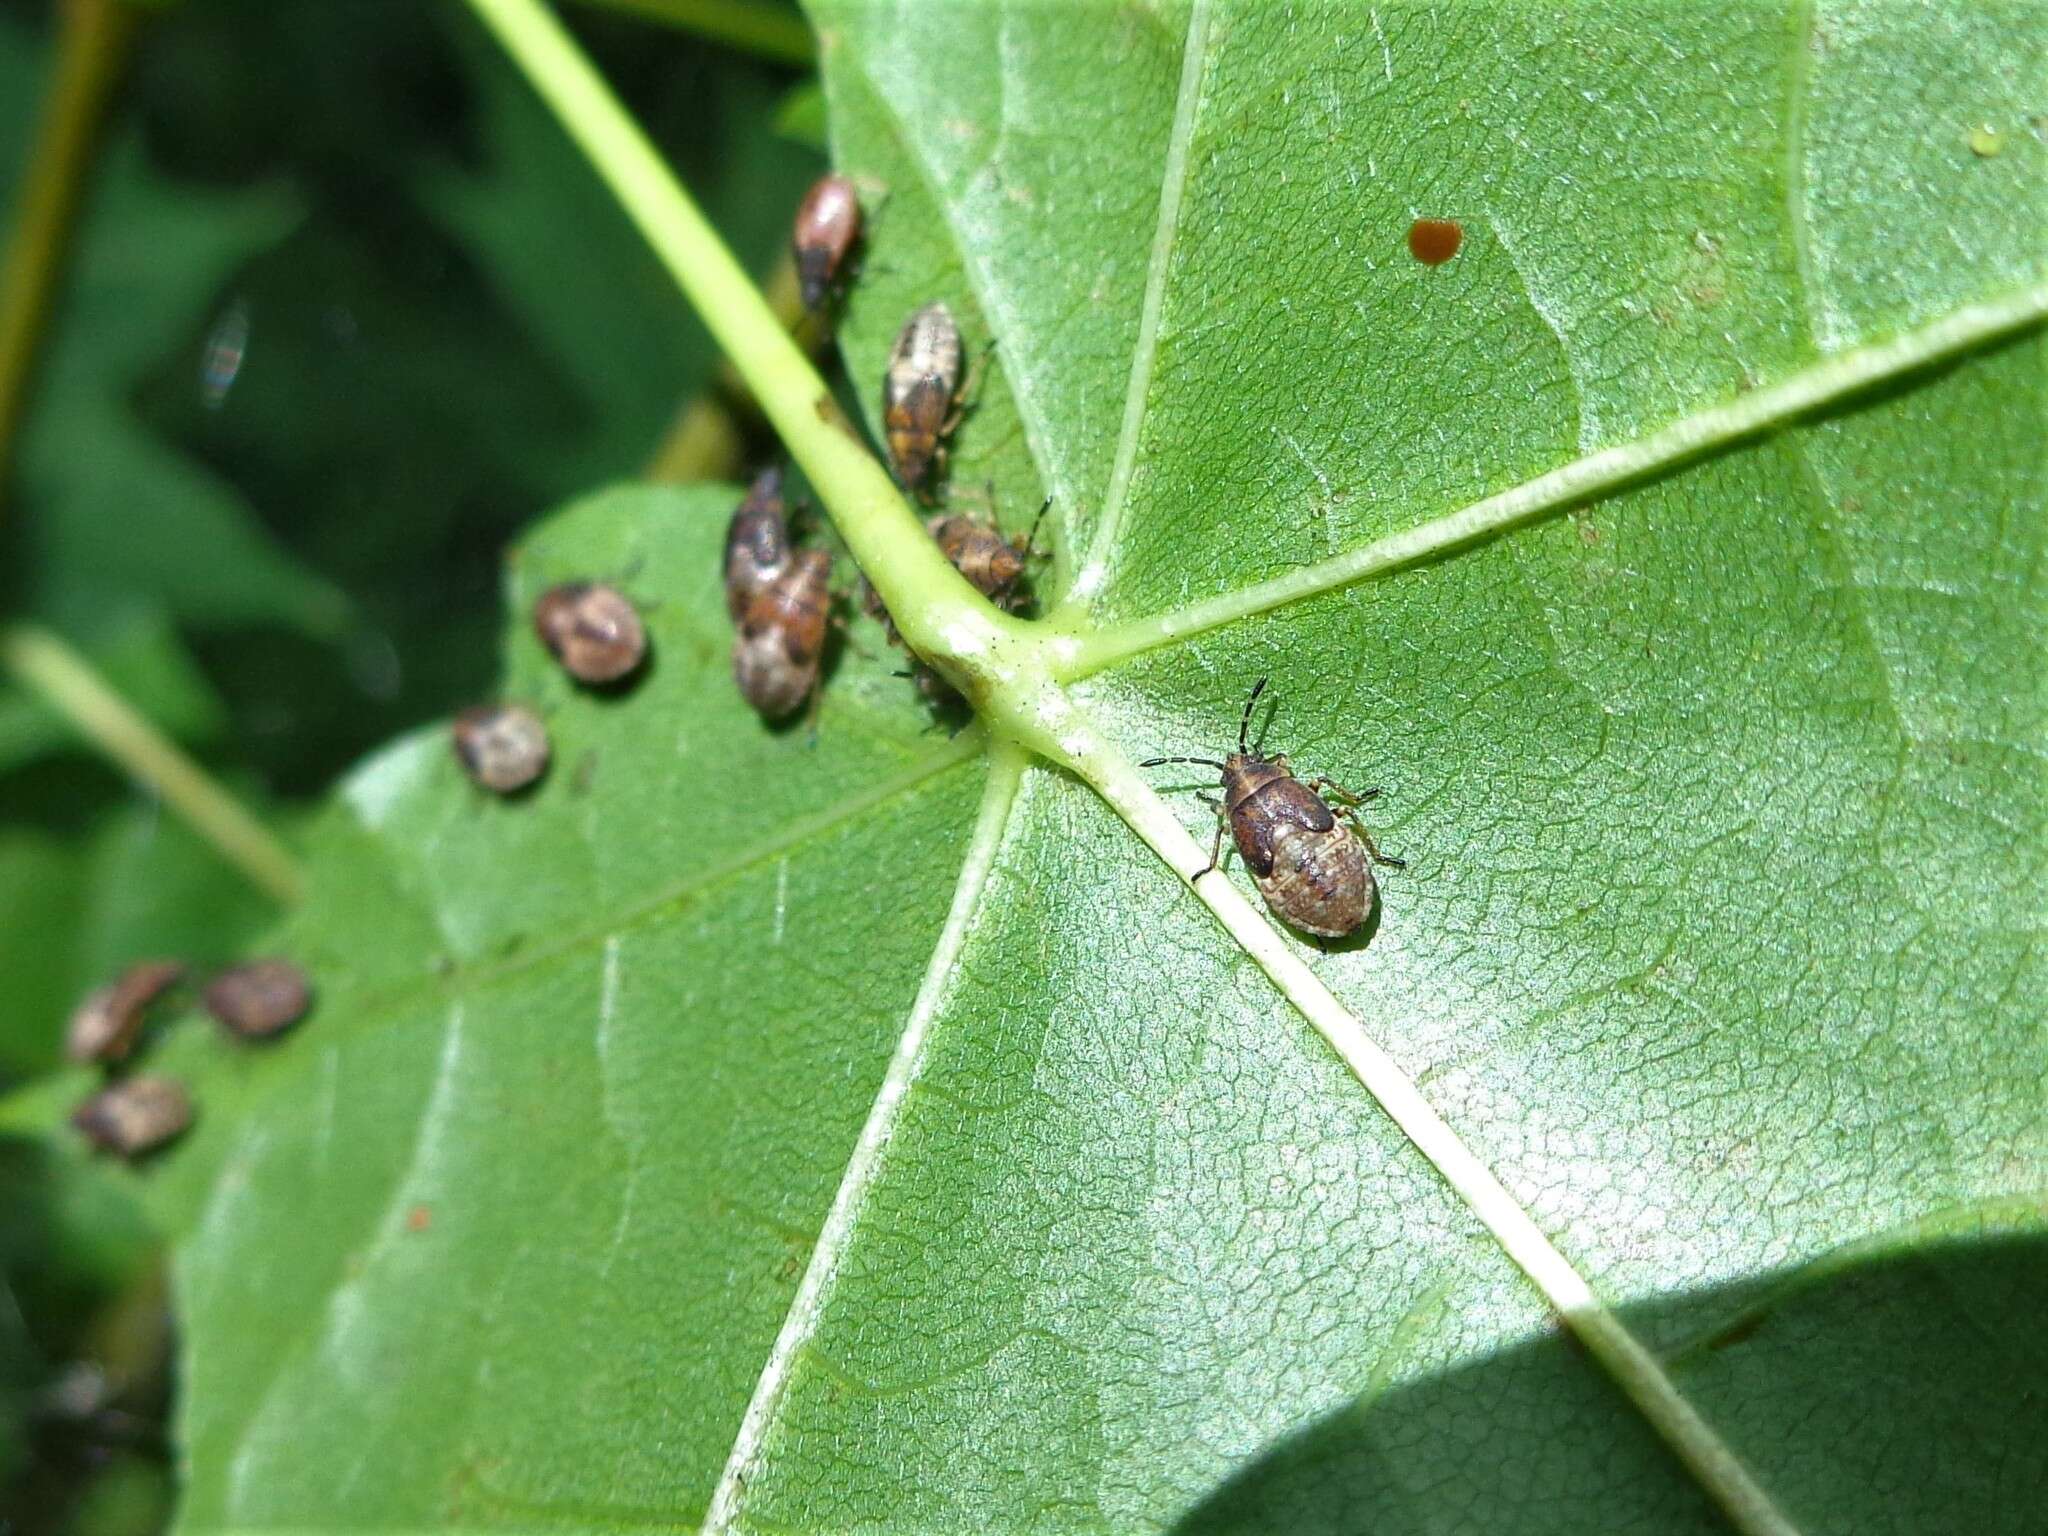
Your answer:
<point x="920" y="392"/>
<point x="781" y="639"/>
<point x="1312" y="872"/>
<point x="104" y="1026"/>
<point x="756" y="543"/>
<point x="991" y="563"/>
<point x="260" y="998"/>
<point x="504" y="747"/>
<point x="591" y="629"/>
<point x="134" y="1116"/>
<point x="827" y="227"/>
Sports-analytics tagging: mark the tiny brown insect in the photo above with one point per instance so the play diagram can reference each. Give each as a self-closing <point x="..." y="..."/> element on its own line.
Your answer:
<point x="1312" y="872"/>
<point x="259" y="998"/>
<point x="756" y="543"/>
<point x="105" y="1024"/>
<point x="827" y="227"/>
<point x="781" y="640"/>
<point x="920" y="393"/>
<point x="991" y="563"/>
<point x="591" y="629"/>
<point x="134" y="1116"/>
<point x="504" y="747"/>
<point x="1435" y="241"/>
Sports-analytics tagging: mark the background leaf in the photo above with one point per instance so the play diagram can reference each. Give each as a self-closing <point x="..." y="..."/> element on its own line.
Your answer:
<point x="1720" y="799"/>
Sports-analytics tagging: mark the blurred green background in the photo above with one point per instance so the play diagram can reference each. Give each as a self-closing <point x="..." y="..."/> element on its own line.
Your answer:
<point x="341" y="312"/>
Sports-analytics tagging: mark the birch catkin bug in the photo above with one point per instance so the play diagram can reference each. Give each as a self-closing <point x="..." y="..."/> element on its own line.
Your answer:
<point x="1312" y="872"/>
<point x="104" y="1026"/>
<point x="503" y="747"/>
<point x="756" y="543"/>
<point x="920" y="392"/>
<point x="591" y="629"/>
<point x="781" y="640"/>
<point x="827" y="227"/>
<point x="991" y="563"/>
<point x="134" y="1116"/>
<point x="259" y="999"/>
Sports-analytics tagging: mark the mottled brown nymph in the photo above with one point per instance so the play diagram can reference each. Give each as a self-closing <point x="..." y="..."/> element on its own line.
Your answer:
<point x="756" y="543"/>
<point x="1313" y="873"/>
<point x="781" y="641"/>
<point x="920" y="393"/>
<point x="134" y="1116"/>
<point x="992" y="564"/>
<point x="504" y="747"/>
<point x="104" y="1026"/>
<point x="827" y="227"/>
<point x="260" y="998"/>
<point x="591" y="629"/>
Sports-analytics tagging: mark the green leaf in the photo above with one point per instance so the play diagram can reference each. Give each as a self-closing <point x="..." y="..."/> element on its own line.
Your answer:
<point x="753" y="1132"/>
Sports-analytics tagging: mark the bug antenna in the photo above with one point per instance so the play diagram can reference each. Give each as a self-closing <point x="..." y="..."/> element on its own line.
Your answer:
<point x="1031" y="538"/>
<point x="1206" y="762"/>
<point x="1244" y="725"/>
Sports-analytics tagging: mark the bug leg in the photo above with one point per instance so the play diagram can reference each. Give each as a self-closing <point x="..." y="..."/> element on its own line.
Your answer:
<point x="968" y="396"/>
<point x="1350" y="796"/>
<point x="1215" y="848"/>
<point x="1371" y="847"/>
<point x="970" y="387"/>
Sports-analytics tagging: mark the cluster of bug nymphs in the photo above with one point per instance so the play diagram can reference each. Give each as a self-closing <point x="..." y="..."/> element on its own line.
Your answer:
<point x="1313" y="873"/>
<point x="596" y="634"/>
<point x="134" y="1113"/>
<point x="780" y="597"/>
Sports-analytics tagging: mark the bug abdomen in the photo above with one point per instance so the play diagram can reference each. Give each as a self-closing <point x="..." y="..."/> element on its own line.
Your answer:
<point x="756" y="544"/>
<point x="912" y="422"/>
<point x="1318" y="881"/>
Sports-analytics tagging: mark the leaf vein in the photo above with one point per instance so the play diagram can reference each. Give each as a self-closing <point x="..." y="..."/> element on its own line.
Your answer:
<point x="814" y="1291"/>
<point x="1173" y="182"/>
<point x="1828" y="382"/>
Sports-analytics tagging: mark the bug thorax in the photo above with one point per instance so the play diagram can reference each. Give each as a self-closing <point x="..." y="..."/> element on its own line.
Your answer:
<point x="756" y="543"/>
<point x="797" y="602"/>
<point x="926" y="349"/>
<point x="1246" y="773"/>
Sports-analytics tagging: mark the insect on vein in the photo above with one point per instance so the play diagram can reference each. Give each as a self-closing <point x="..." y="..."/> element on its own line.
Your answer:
<point x="1313" y="873"/>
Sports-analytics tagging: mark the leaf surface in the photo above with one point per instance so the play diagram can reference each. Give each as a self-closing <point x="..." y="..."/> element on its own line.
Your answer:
<point x="692" y="1141"/>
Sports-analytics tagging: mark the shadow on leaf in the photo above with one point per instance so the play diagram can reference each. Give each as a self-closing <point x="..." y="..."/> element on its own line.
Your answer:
<point x="1902" y="1394"/>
